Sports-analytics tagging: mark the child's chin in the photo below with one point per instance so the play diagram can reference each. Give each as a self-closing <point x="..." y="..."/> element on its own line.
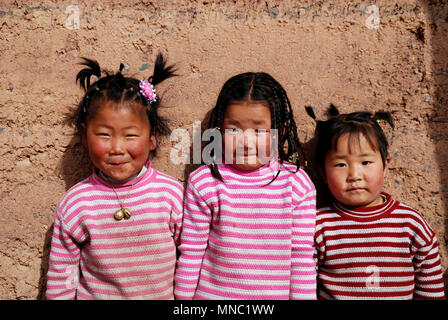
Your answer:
<point x="247" y="167"/>
<point x="119" y="175"/>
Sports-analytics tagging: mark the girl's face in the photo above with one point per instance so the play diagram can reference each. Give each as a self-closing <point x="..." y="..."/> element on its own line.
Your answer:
<point x="355" y="172"/>
<point x="247" y="135"/>
<point x="118" y="140"/>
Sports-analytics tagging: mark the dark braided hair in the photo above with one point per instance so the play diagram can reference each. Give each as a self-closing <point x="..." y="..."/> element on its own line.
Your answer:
<point x="355" y="124"/>
<point x="119" y="89"/>
<point x="262" y="87"/>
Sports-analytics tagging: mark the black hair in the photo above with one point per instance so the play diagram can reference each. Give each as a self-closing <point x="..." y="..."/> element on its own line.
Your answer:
<point x="263" y="87"/>
<point x="117" y="88"/>
<point x="355" y="124"/>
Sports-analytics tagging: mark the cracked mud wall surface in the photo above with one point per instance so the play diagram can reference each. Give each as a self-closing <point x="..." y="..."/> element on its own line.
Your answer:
<point x="321" y="52"/>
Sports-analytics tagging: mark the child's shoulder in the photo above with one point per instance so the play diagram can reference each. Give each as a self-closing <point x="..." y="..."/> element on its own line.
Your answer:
<point x="411" y="214"/>
<point x="402" y="214"/>
<point x="166" y="185"/>
<point x="420" y="229"/>
<point x="298" y="174"/>
<point x="75" y="193"/>
<point x="162" y="177"/>
<point x="203" y="172"/>
<point x="325" y="211"/>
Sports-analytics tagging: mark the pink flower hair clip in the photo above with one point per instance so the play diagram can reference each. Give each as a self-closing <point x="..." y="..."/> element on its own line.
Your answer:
<point x="148" y="91"/>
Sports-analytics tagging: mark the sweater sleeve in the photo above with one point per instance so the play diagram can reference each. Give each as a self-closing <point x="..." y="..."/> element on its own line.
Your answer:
<point x="63" y="271"/>
<point x="176" y="225"/>
<point x="193" y="243"/>
<point x="303" y="266"/>
<point x="319" y="243"/>
<point x="319" y="250"/>
<point x="176" y="218"/>
<point x="428" y="272"/>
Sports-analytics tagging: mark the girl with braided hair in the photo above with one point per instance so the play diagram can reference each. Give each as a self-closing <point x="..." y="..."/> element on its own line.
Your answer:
<point x="115" y="233"/>
<point x="368" y="245"/>
<point x="249" y="215"/>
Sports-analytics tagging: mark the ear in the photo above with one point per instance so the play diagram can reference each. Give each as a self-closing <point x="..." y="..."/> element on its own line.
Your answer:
<point x="153" y="141"/>
<point x="386" y="166"/>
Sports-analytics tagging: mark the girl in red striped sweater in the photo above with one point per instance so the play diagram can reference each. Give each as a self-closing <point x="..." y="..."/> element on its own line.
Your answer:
<point x="115" y="232"/>
<point x="368" y="245"/>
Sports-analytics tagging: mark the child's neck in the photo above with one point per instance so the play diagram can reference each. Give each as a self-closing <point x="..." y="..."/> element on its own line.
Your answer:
<point x="381" y="200"/>
<point x="115" y="181"/>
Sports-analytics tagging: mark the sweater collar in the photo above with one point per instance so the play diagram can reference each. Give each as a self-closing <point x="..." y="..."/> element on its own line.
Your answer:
<point x="367" y="213"/>
<point x="145" y="173"/>
<point x="268" y="170"/>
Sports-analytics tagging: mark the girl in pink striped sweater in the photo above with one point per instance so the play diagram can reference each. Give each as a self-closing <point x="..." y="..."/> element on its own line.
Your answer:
<point x="369" y="246"/>
<point x="249" y="216"/>
<point x="115" y="232"/>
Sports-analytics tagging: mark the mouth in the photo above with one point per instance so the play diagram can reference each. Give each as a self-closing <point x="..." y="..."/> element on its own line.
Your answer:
<point x="246" y="154"/>
<point x="247" y="157"/>
<point x="355" y="189"/>
<point x="117" y="164"/>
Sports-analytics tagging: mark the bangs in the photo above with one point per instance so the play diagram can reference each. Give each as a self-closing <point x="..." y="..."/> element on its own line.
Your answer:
<point x="355" y="132"/>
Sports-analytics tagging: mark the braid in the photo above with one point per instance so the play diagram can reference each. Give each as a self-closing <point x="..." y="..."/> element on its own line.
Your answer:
<point x="216" y="120"/>
<point x="283" y="120"/>
<point x="285" y="123"/>
<point x="261" y="87"/>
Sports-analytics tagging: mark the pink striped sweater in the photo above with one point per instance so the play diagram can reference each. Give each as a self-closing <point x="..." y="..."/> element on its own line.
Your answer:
<point x="243" y="240"/>
<point x="381" y="252"/>
<point x="93" y="256"/>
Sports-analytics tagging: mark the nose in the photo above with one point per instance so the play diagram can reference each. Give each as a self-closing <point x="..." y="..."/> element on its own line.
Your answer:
<point x="117" y="146"/>
<point x="248" y="139"/>
<point x="354" y="173"/>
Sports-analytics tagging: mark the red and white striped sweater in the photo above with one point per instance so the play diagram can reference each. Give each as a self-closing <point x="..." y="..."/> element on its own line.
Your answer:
<point x="93" y="256"/>
<point x="382" y="252"/>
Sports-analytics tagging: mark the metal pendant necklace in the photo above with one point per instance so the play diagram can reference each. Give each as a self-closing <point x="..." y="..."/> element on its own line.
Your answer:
<point x="122" y="212"/>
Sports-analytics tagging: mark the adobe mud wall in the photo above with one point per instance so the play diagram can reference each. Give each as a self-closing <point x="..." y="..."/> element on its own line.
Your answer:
<point x="340" y="52"/>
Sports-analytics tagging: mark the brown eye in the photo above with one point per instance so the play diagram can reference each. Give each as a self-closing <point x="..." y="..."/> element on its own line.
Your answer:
<point x="233" y="131"/>
<point x="261" y="131"/>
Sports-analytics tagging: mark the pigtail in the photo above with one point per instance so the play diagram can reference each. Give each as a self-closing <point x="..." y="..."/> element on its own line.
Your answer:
<point x="151" y="100"/>
<point x="83" y="76"/>
<point x="320" y="124"/>
<point x="121" y="67"/>
<point x="161" y="71"/>
<point x="333" y="111"/>
<point x="119" y="75"/>
<point x="310" y="112"/>
<point x="383" y="115"/>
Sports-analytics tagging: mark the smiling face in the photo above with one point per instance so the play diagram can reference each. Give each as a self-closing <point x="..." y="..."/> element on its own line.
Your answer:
<point x="247" y="135"/>
<point x="355" y="172"/>
<point x="118" y="140"/>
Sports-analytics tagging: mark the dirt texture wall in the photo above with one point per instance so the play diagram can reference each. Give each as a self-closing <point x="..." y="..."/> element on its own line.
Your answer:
<point x="322" y="52"/>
